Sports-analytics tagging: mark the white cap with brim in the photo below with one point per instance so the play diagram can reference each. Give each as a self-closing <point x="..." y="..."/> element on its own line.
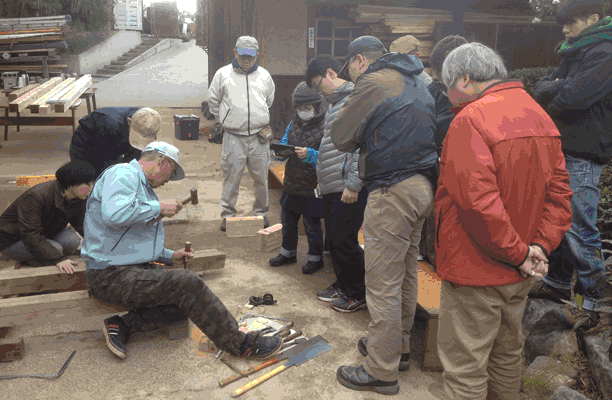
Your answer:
<point x="169" y="151"/>
<point x="145" y="125"/>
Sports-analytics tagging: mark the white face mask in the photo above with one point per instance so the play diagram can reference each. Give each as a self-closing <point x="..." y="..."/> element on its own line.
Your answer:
<point x="306" y="115"/>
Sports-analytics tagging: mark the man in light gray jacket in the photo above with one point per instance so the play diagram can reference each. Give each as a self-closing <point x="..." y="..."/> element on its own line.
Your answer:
<point x="344" y="194"/>
<point x="240" y="96"/>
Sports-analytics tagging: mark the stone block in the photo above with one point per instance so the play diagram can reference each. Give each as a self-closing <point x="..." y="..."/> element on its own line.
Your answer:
<point x="546" y="331"/>
<point x="565" y="393"/>
<point x="597" y="353"/>
<point x="545" y="375"/>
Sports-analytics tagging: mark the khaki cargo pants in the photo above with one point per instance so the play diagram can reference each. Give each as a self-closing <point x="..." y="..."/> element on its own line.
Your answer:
<point x="480" y="340"/>
<point x="392" y="227"/>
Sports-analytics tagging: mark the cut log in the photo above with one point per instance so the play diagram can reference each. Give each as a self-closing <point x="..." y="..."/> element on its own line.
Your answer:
<point x="243" y="226"/>
<point x="52" y="307"/>
<point x="34" y="107"/>
<point x="270" y="238"/>
<point x="20" y="92"/>
<point x="22" y="102"/>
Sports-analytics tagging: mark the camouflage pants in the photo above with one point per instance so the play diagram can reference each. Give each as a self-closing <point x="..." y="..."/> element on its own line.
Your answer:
<point x="155" y="295"/>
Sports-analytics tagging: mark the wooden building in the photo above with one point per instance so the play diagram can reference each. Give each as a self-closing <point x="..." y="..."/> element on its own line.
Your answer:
<point x="291" y="32"/>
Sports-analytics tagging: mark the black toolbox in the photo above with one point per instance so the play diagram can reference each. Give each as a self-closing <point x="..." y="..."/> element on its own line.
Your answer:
<point x="186" y="127"/>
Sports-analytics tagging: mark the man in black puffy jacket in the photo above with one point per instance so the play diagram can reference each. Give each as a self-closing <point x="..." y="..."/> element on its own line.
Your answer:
<point x="578" y="97"/>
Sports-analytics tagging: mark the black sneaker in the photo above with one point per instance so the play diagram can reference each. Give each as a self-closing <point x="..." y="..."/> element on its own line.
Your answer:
<point x="357" y="378"/>
<point x="282" y="260"/>
<point x="223" y="225"/>
<point x="117" y="335"/>
<point x="255" y="346"/>
<point x="347" y="305"/>
<point x="404" y="364"/>
<point x="330" y="294"/>
<point x="312" y="266"/>
<point x="542" y="290"/>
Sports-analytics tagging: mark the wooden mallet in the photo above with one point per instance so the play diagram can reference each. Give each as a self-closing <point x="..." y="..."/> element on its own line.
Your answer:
<point x="193" y="199"/>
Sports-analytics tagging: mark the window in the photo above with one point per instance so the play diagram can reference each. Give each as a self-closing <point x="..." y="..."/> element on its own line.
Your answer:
<point x="334" y="41"/>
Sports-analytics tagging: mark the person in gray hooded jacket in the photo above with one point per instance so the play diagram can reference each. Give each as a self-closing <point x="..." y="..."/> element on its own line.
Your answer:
<point x="344" y="194"/>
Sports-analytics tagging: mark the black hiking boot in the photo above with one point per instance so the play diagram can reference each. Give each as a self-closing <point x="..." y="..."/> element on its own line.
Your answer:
<point x="312" y="266"/>
<point x="357" y="378"/>
<point x="280" y="260"/>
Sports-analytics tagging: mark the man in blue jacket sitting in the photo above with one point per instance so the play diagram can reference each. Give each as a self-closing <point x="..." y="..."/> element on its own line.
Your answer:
<point x="119" y="249"/>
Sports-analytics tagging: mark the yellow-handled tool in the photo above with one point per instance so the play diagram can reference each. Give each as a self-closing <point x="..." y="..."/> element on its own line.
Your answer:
<point x="302" y="357"/>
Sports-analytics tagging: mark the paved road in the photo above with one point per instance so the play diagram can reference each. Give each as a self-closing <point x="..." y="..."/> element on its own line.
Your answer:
<point x="177" y="77"/>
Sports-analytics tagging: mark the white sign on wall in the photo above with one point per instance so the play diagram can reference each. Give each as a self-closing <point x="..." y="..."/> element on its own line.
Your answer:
<point x="311" y="38"/>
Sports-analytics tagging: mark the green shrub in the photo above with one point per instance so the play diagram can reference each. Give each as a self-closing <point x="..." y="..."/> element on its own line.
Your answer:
<point x="530" y="76"/>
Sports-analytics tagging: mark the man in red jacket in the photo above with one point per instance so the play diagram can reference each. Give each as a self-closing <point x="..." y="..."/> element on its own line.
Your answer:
<point x="502" y="205"/>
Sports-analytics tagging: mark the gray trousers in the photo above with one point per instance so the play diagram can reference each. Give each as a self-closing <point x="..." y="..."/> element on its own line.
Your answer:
<point x="239" y="152"/>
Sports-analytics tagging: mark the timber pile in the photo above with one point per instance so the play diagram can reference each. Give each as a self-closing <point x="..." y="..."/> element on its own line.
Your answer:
<point x="55" y="95"/>
<point x="27" y="44"/>
<point x="390" y="23"/>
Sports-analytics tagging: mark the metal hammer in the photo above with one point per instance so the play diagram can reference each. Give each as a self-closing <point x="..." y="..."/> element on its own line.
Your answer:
<point x="193" y="199"/>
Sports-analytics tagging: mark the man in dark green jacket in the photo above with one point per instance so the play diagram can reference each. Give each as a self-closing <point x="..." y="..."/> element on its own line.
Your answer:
<point x="578" y="97"/>
<point x="390" y="117"/>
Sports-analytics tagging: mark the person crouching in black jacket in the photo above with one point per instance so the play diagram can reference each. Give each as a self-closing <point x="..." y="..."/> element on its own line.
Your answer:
<point x="305" y="131"/>
<point x="33" y="228"/>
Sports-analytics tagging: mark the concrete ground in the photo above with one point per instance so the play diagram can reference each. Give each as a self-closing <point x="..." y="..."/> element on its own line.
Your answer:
<point x="160" y="368"/>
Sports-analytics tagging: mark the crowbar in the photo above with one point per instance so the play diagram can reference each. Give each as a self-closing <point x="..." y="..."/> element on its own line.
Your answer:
<point x="45" y="376"/>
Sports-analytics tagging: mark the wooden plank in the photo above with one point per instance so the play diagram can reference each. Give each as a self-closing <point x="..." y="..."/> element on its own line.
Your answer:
<point x="30" y="59"/>
<point x="276" y="176"/>
<point x="431" y="358"/>
<point x="72" y="96"/>
<point x="20" y="103"/>
<point x="33" y="180"/>
<point x="20" y="92"/>
<point x="430" y="286"/>
<point x="203" y="260"/>
<point x="410" y="29"/>
<point x="15" y="30"/>
<point x="52" y="307"/>
<point x="34" y="107"/>
<point x="243" y="226"/>
<point x="50" y="38"/>
<point x="33" y="19"/>
<point x="371" y="9"/>
<point x="11" y="349"/>
<point x="409" y="21"/>
<point x="27" y="51"/>
<point x="36" y="121"/>
<point x="34" y="280"/>
<point x="270" y="238"/>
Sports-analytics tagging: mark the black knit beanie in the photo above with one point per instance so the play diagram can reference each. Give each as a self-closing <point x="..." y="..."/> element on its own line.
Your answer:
<point x="303" y="96"/>
<point x="442" y="48"/>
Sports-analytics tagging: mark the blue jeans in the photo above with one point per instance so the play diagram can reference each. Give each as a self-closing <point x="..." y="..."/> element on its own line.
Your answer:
<point x="580" y="249"/>
<point x="314" y="233"/>
<point x="66" y="242"/>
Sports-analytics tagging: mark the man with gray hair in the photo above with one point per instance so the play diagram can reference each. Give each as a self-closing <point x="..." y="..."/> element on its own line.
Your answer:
<point x="240" y="96"/>
<point x="503" y="202"/>
<point x="390" y="117"/>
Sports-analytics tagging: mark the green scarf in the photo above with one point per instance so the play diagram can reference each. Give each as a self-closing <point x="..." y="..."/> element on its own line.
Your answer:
<point x="599" y="32"/>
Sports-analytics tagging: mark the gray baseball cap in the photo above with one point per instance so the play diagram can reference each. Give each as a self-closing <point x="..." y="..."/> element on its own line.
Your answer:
<point x="247" y="45"/>
<point x="360" y="45"/>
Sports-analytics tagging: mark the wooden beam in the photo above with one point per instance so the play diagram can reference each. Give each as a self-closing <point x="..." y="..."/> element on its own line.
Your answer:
<point x="34" y="280"/>
<point x="22" y="102"/>
<point x="20" y="92"/>
<point x="35" y="106"/>
<point x="411" y="29"/>
<point x="64" y="100"/>
<point x="11" y="349"/>
<point x="52" y="307"/>
<point x="204" y="260"/>
<point x="50" y="38"/>
<point x="36" y="121"/>
<point x="243" y="226"/>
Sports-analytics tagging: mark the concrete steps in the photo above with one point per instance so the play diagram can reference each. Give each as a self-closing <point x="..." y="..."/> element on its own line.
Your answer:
<point x="119" y="64"/>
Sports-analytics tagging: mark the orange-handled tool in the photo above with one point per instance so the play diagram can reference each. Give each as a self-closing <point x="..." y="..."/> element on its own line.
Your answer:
<point x="297" y="359"/>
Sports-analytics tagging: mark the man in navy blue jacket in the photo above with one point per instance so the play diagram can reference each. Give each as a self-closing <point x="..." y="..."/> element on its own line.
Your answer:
<point x="578" y="97"/>
<point x="109" y="136"/>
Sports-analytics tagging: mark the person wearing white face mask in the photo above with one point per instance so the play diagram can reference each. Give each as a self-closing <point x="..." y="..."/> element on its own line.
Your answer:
<point x="305" y="131"/>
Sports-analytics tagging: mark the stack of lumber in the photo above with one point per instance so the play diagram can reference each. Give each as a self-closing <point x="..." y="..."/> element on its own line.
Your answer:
<point x="390" y="23"/>
<point x="55" y="95"/>
<point x="25" y="42"/>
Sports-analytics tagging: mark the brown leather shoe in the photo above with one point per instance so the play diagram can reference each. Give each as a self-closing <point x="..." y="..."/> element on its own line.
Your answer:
<point x="588" y="319"/>
<point x="542" y="290"/>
